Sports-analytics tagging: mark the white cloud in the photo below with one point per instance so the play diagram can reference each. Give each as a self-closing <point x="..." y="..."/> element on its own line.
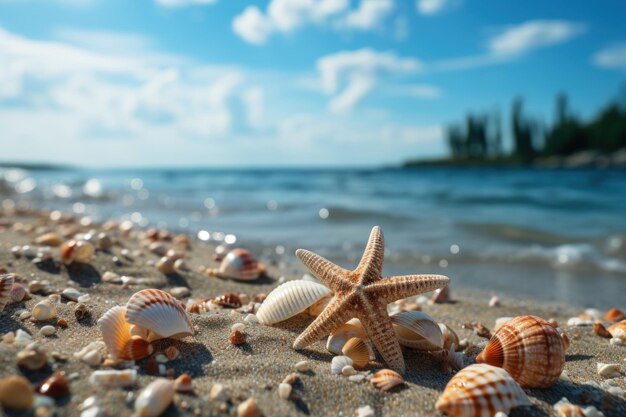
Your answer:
<point x="359" y="85"/>
<point x="433" y="7"/>
<point x="612" y="57"/>
<point x="180" y="3"/>
<point x="422" y="91"/>
<point x="369" y="14"/>
<point x="534" y="34"/>
<point x="253" y="100"/>
<point x="103" y="40"/>
<point x="252" y="25"/>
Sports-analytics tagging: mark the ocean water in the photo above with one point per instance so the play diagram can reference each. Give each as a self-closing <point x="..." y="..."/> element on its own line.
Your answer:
<point x="550" y="235"/>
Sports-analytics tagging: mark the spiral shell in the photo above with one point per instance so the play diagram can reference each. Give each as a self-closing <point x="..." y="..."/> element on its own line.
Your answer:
<point x="239" y="264"/>
<point x="116" y="333"/>
<point x="340" y="336"/>
<point x="386" y="379"/>
<point x="481" y="390"/>
<point x="359" y="351"/>
<point x="6" y="283"/>
<point x="77" y="251"/>
<point x="529" y="349"/>
<point x="160" y="313"/>
<point x="417" y="330"/>
<point x="155" y="398"/>
<point x="618" y="330"/>
<point x="289" y="299"/>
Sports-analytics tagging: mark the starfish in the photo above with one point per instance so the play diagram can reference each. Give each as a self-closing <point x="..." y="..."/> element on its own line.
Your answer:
<point x="364" y="293"/>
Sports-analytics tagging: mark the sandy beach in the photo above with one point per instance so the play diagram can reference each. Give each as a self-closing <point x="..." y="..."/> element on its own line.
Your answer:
<point x="254" y="369"/>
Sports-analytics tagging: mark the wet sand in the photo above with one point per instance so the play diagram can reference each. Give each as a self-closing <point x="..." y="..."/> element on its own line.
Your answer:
<point x="256" y="368"/>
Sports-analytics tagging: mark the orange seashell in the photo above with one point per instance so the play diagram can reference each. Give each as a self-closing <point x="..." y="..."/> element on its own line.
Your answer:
<point x="386" y="379"/>
<point x="529" y="349"/>
<point x="160" y="313"/>
<point x="76" y="251"/>
<point x="615" y="314"/>
<point x="116" y="333"/>
<point x="600" y="330"/>
<point x="481" y="390"/>
<point x="618" y="330"/>
<point x="136" y="348"/>
<point x="359" y="351"/>
<point x="6" y="283"/>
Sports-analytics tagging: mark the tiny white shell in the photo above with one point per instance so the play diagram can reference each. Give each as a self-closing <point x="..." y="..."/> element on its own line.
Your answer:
<point x="44" y="310"/>
<point x="417" y="330"/>
<point x="159" y="312"/>
<point x="289" y="299"/>
<point x="338" y="363"/>
<point x="113" y="378"/>
<point x="608" y="370"/>
<point x="155" y="398"/>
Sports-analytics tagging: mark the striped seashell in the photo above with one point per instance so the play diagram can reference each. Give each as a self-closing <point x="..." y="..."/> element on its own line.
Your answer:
<point x="529" y="349"/>
<point x="481" y="390"/>
<point x="450" y="338"/>
<point x="160" y="313"/>
<point x="618" y="330"/>
<point x="77" y="251"/>
<point x="203" y="306"/>
<point x="340" y="336"/>
<point x="289" y="299"/>
<point x="417" y="330"/>
<point x="155" y="398"/>
<point x="359" y="351"/>
<point x="6" y="283"/>
<point x="386" y="379"/>
<point x="238" y="264"/>
<point x="116" y="333"/>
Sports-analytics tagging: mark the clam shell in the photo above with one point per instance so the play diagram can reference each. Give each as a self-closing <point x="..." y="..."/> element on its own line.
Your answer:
<point x="77" y="251"/>
<point x="338" y="363"/>
<point x="386" y="379"/>
<point x="340" y="336"/>
<point x="116" y="333"/>
<point x="159" y="312"/>
<point x="359" y="351"/>
<point x="618" y="330"/>
<point x="481" y="390"/>
<point x="529" y="349"/>
<point x="417" y="330"/>
<point x="155" y="398"/>
<point x="6" y="283"/>
<point x="289" y="299"/>
<point x="239" y="264"/>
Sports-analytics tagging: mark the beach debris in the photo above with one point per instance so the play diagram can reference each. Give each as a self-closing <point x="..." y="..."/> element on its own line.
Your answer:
<point x="237" y="338"/>
<point x="337" y="364"/>
<point x="529" y="349"/>
<point x="116" y="332"/>
<point x="155" y="398"/>
<point x="441" y="295"/>
<point x="494" y="301"/>
<point x="609" y="370"/>
<point x="481" y="389"/>
<point x="303" y="366"/>
<point x="618" y="330"/>
<point x="218" y="392"/>
<point x="248" y="408"/>
<point x="6" y="283"/>
<point x="365" y="411"/>
<point x="112" y="378"/>
<point x="238" y="264"/>
<point x="386" y="379"/>
<point x="417" y="330"/>
<point x="16" y="393"/>
<point x="359" y="351"/>
<point x="160" y="313"/>
<point x="56" y="387"/>
<point x="290" y="299"/>
<point x="284" y="390"/>
<point x="338" y="337"/>
<point x="616" y="341"/>
<point x="482" y="330"/>
<point x="171" y="353"/>
<point x="44" y="310"/>
<point x="600" y="330"/>
<point x="31" y="358"/>
<point x="79" y="251"/>
<point x="202" y="306"/>
<point x="62" y="323"/>
<point x="291" y="379"/>
<point x="614" y="314"/>
<point x="451" y="359"/>
<point x="111" y="277"/>
<point x="364" y="287"/>
<point x="47" y="330"/>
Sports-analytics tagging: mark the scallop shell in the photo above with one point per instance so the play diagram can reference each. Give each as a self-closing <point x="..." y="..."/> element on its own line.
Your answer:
<point x="289" y="299"/>
<point x="386" y="379"/>
<point x="529" y="349"/>
<point x="340" y="336"/>
<point x="359" y="351"/>
<point x="450" y="338"/>
<point x="6" y="283"/>
<point x="155" y="398"/>
<point x="77" y="251"/>
<point x="116" y="333"/>
<point x="239" y="264"/>
<point x="417" y="330"/>
<point x="159" y="312"/>
<point x="481" y="390"/>
<point x="618" y="330"/>
<point x="338" y="363"/>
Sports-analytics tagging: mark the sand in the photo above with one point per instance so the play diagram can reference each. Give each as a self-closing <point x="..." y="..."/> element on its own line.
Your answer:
<point x="256" y="368"/>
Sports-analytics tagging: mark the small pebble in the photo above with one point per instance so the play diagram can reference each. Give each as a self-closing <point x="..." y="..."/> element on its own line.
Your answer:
<point x="62" y="323"/>
<point x="608" y="370"/>
<point x="71" y="294"/>
<point x="47" y="330"/>
<point x="238" y="326"/>
<point x="284" y="391"/>
<point x="44" y="310"/>
<point x="494" y="302"/>
<point x="251" y="319"/>
<point x="356" y="378"/>
<point x="183" y="383"/>
<point x="248" y="408"/>
<point x="56" y="387"/>
<point x="16" y="393"/>
<point x="180" y="292"/>
<point x="218" y="392"/>
<point x="365" y="411"/>
<point x="303" y="366"/>
<point x="31" y="359"/>
<point x="348" y="370"/>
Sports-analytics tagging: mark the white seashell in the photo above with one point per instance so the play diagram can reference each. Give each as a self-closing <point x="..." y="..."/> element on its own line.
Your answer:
<point x="450" y="338"/>
<point x="608" y="370"/>
<point x="238" y="326"/>
<point x="284" y="390"/>
<point x="289" y="299"/>
<point x="340" y="336"/>
<point x="338" y="363"/>
<point x="494" y="301"/>
<point x="417" y="330"/>
<point x="71" y="294"/>
<point x="251" y="319"/>
<point x="348" y="370"/>
<point x="113" y="378"/>
<point x="44" y="310"/>
<point x="47" y="330"/>
<point x="160" y="313"/>
<point x="238" y="264"/>
<point x="6" y="283"/>
<point x="155" y="398"/>
<point x="577" y="321"/>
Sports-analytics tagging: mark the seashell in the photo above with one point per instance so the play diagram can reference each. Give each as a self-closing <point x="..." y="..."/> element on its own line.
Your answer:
<point x="228" y="300"/>
<point x="284" y="390"/>
<point x="77" y="251"/>
<point x="338" y="338"/>
<point x="44" y="310"/>
<point x="565" y="340"/>
<point x="165" y="265"/>
<point x="289" y="299"/>
<point x="529" y="349"/>
<point x="111" y="378"/>
<point x="238" y="264"/>
<point x="31" y="359"/>
<point x="614" y="314"/>
<point x="500" y="321"/>
<point x="481" y="390"/>
<point x="17" y="294"/>
<point x="386" y="379"/>
<point x="441" y="295"/>
<point x="618" y="330"/>
<point x="248" y="408"/>
<point x="566" y="409"/>
<point x="218" y="392"/>
<point x="49" y="239"/>
<point x="450" y="338"/>
<point x="237" y="338"/>
<point x="16" y="393"/>
<point x="417" y="330"/>
<point x="608" y="370"/>
<point x="56" y="387"/>
<point x="303" y="366"/>
<point x="155" y="398"/>
<point x="319" y="306"/>
<point x="359" y="351"/>
<point x="183" y="383"/>
<point x="6" y="283"/>
<point x="600" y="330"/>
<point x="203" y="306"/>
<point x="337" y="364"/>
<point x="159" y="312"/>
<point x="116" y="333"/>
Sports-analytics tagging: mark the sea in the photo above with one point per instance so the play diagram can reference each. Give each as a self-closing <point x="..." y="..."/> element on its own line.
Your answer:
<point x="548" y="235"/>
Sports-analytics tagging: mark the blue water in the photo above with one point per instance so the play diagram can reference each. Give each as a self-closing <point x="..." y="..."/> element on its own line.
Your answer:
<point x="554" y="235"/>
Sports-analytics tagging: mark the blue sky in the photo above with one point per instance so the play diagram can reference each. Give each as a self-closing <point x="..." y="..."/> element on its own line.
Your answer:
<point x="287" y="82"/>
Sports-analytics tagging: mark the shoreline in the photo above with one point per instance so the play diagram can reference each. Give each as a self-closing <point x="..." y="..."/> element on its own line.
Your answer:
<point x="254" y="369"/>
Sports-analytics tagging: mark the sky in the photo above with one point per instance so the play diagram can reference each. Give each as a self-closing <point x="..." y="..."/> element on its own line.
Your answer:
<point x="215" y="83"/>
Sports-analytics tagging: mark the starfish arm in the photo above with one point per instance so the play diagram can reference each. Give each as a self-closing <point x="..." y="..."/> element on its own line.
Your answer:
<point x="329" y="273"/>
<point x="371" y="266"/>
<point x="378" y="326"/>
<point x="394" y="288"/>
<point x="332" y="317"/>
